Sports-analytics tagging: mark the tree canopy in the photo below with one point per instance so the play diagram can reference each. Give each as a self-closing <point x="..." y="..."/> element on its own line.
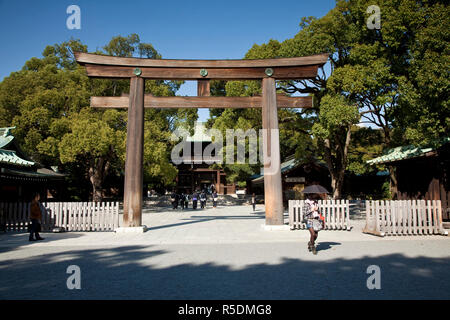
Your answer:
<point x="394" y="78"/>
<point x="48" y="102"/>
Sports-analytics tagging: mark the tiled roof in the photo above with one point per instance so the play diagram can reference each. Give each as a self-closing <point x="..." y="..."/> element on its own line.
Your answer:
<point x="40" y="173"/>
<point x="287" y="165"/>
<point x="200" y="134"/>
<point x="405" y="152"/>
<point x="5" y="136"/>
<point x="10" y="157"/>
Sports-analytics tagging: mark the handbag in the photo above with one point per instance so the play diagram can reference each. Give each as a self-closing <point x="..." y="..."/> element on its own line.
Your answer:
<point x="317" y="225"/>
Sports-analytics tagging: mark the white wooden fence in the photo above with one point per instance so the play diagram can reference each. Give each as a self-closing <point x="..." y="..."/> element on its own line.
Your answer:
<point x="72" y="216"/>
<point x="336" y="213"/>
<point x="404" y="217"/>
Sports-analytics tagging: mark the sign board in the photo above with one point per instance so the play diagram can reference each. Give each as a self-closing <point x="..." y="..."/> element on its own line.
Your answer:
<point x="295" y="179"/>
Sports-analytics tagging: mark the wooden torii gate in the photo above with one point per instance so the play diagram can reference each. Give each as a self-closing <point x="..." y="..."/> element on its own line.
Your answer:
<point x="137" y="70"/>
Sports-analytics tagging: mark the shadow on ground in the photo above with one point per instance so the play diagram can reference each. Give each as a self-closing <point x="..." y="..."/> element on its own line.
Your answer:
<point x="321" y="246"/>
<point x="135" y="272"/>
<point x="197" y="219"/>
<point x="13" y="239"/>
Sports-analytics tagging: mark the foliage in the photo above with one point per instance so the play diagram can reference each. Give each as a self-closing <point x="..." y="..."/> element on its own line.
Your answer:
<point x="48" y="102"/>
<point x="395" y="78"/>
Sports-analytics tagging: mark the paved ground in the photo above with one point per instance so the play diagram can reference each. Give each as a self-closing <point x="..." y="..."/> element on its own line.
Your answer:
<point x="223" y="254"/>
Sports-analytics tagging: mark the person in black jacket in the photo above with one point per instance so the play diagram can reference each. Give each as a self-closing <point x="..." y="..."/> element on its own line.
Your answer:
<point x="181" y="200"/>
<point x="174" y="198"/>
<point x="35" y="217"/>
<point x="203" y="200"/>
<point x="186" y="200"/>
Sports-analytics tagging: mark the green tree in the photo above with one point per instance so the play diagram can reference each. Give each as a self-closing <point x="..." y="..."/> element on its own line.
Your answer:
<point x="48" y="101"/>
<point x="386" y="77"/>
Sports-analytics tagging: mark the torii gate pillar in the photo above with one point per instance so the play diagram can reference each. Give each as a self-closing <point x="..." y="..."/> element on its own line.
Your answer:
<point x="273" y="195"/>
<point x="132" y="200"/>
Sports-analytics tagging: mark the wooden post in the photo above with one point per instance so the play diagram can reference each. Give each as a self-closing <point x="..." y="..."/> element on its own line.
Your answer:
<point x="132" y="200"/>
<point x="273" y="195"/>
<point x="218" y="181"/>
<point x="203" y="88"/>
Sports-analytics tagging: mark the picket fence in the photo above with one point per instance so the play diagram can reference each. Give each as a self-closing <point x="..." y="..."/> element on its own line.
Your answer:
<point x="404" y="217"/>
<point x="71" y="216"/>
<point x="336" y="213"/>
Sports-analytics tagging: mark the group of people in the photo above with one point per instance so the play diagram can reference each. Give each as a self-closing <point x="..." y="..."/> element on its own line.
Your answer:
<point x="183" y="199"/>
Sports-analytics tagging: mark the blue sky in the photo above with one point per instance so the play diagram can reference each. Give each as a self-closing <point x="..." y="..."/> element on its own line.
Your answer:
<point x="177" y="29"/>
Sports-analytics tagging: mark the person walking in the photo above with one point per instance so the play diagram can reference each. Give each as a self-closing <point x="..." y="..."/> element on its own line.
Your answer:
<point x="194" y="200"/>
<point x="254" y="201"/>
<point x="215" y="198"/>
<point x="175" y="197"/>
<point x="182" y="200"/>
<point x="203" y="200"/>
<point x="186" y="200"/>
<point x="314" y="221"/>
<point x="35" y="217"/>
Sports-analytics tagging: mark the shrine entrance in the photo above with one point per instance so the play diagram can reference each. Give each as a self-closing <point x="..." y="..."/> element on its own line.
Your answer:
<point x="137" y="70"/>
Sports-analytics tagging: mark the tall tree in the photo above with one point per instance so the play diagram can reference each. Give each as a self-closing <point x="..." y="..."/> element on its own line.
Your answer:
<point x="48" y="101"/>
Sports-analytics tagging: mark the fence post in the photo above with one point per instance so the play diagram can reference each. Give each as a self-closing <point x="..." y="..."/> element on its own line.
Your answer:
<point x="291" y="213"/>
<point x="414" y="222"/>
<point x="421" y="220"/>
<point x="347" y="215"/>
<point x="429" y="222"/>
<point x="441" y="227"/>
<point x="117" y="214"/>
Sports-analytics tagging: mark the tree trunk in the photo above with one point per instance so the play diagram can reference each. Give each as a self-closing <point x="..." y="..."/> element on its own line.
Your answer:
<point x="97" y="172"/>
<point x="392" y="176"/>
<point x="97" y="191"/>
<point x="337" y="163"/>
<point x="393" y="183"/>
<point x="337" y="184"/>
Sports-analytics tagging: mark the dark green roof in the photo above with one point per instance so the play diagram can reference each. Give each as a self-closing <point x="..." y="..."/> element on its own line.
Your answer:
<point x="5" y="136"/>
<point x="40" y="174"/>
<point x="10" y="157"/>
<point x="406" y="152"/>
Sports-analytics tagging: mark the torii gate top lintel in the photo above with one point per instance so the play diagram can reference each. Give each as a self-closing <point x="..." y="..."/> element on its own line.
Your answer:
<point x="138" y="69"/>
<point x="171" y="69"/>
<point x="90" y="58"/>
